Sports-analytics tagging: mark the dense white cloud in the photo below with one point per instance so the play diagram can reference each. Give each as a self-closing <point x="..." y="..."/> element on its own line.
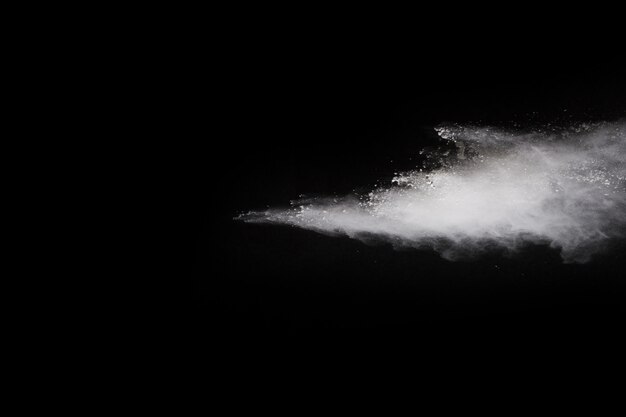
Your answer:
<point x="494" y="189"/>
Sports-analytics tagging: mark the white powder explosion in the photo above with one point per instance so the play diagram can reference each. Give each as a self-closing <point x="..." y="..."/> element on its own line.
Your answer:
<point x="487" y="189"/>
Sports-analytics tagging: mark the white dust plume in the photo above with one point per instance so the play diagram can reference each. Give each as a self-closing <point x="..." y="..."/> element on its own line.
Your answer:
<point x="489" y="189"/>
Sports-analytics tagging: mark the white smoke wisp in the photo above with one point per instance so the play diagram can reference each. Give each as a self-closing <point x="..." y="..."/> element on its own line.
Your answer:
<point x="495" y="189"/>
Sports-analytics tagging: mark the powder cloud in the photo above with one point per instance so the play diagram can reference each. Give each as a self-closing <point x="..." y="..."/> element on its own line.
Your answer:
<point x="489" y="189"/>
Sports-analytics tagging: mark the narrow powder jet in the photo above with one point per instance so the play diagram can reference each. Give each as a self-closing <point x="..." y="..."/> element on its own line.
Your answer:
<point x="496" y="189"/>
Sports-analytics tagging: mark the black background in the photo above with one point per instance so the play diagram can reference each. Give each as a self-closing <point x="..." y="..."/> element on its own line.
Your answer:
<point x="305" y="113"/>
